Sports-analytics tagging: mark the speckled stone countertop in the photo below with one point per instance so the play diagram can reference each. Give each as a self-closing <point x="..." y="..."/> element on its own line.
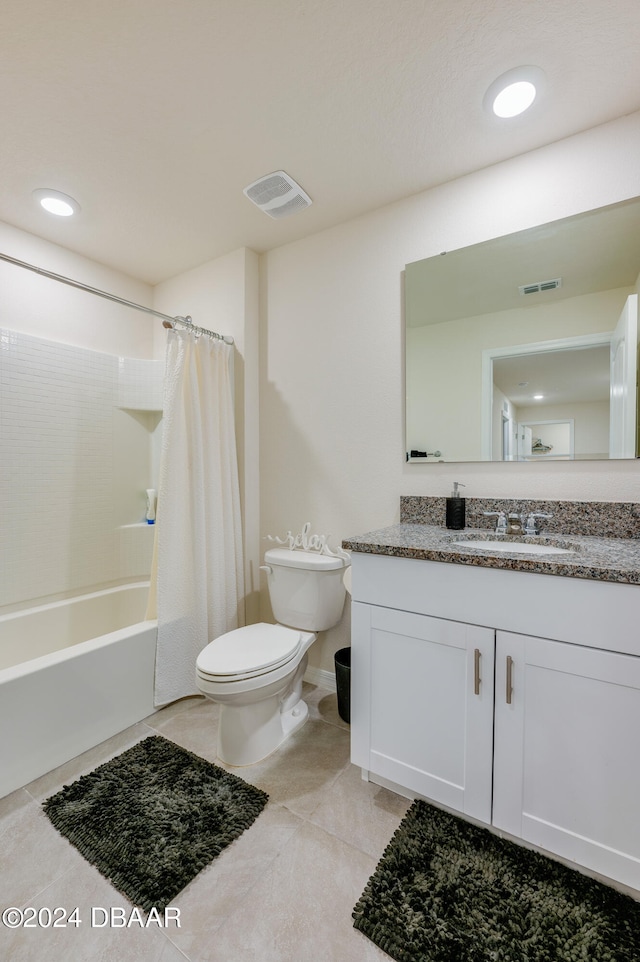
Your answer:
<point x="598" y="558"/>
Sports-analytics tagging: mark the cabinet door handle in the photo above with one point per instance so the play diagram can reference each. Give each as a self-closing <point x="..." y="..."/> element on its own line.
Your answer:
<point x="476" y="672"/>
<point x="509" y="678"/>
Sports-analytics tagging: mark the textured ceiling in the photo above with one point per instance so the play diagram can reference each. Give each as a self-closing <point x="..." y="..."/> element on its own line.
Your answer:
<point x="154" y="114"/>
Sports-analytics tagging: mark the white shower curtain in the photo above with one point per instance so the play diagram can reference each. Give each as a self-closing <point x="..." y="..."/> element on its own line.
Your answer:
<point x="198" y="567"/>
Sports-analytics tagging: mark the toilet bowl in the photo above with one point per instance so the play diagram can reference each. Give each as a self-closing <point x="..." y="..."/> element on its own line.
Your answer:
<point x="255" y="673"/>
<point x="248" y="671"/>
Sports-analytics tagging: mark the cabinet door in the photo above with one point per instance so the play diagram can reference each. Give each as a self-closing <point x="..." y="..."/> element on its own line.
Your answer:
<point x="422" y="705"/>
<point x="567" y="772"/>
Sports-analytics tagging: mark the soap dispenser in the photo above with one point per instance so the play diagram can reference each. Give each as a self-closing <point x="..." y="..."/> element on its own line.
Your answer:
<point x="455" y="512"/>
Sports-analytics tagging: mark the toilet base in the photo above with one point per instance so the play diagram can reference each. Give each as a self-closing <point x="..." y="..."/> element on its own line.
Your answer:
<point x="249" y="733"/>
<point x="258" y="715"/>
<point x="294" y="719"/>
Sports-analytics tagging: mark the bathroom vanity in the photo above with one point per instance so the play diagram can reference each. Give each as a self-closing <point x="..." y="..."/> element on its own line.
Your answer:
<point x="503" y="685"/>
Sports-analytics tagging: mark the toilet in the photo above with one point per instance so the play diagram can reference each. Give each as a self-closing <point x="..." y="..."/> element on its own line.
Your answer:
<point x="255" y="673"/>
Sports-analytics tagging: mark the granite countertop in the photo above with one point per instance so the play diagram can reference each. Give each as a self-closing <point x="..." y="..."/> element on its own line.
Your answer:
<point x="595" y="558"/>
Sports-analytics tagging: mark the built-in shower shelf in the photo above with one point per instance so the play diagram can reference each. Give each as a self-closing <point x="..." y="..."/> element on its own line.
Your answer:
<point x="138" y="524"/>
<point x="133" y="409"/>
<point x="149" y="418"/>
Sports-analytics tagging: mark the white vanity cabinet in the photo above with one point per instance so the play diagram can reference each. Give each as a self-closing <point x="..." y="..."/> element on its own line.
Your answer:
<point x="429" y="728"/>
<point x="552" y="755"/>
<point x="567" y="759"/>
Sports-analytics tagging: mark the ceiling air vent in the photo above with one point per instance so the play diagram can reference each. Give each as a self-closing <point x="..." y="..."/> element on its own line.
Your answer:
<point x="540" y="286"/>
<point x="277" y="195"/>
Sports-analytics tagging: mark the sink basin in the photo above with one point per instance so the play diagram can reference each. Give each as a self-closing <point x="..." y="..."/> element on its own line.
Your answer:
<point x="514" y="547"/>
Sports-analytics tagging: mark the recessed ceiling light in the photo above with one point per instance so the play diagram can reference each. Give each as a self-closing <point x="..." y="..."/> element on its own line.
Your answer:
<point x="514" y="91"/>
<point x="538" y="397"/>
<point x="55" y="202"/>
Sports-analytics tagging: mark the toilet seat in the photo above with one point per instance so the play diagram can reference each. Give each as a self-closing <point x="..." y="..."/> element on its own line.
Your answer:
<point x="248" y="652"/>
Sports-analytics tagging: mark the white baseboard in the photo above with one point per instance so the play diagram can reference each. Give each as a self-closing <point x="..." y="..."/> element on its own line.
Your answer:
<point x="320" y="677"/>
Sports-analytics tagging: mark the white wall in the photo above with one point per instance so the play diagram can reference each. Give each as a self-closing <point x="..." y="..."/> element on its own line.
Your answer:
<point x="47" y="308"/>
<point x="332" y="381"/>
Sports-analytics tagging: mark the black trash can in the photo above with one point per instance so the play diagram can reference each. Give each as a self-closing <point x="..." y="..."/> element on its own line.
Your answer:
<point x="343" y="683"/>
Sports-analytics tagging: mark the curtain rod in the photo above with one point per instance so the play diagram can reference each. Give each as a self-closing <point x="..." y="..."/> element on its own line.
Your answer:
<point x="169" y="321"/>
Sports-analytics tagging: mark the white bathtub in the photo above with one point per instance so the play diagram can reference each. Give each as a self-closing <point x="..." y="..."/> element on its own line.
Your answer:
<point x="72" y="673"/>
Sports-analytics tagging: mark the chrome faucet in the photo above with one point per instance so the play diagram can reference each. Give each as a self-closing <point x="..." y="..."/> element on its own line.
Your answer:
<point x="501" y="523"/>
<point x="515" y="523"/>
<point x="527" y="523"/>
<point x="532" y="525"/>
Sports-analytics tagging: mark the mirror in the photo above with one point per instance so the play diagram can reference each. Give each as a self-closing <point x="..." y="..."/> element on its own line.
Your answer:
<point x="524" y="348"/>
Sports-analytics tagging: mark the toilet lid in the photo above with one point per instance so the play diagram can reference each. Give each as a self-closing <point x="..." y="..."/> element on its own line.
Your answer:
<point x="254" y="649"/>
<point x="289" y="558"/>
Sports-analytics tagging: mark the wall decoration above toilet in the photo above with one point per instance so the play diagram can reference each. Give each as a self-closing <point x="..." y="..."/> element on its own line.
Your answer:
<point x="314" y="542"/>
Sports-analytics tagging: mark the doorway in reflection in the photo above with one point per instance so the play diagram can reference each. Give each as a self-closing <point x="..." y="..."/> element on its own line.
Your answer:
<point x="550" y="405"/>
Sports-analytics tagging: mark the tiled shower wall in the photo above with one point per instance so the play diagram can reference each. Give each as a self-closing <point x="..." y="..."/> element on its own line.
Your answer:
<point x="65" y="415"/>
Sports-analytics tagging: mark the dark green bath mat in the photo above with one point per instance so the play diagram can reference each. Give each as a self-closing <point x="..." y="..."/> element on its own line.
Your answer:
<point x="448" y="891"/>
<point x="153" y="817"/>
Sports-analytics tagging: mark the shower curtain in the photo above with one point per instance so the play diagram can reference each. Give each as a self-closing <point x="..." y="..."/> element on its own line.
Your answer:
<point x="197" y="581"/>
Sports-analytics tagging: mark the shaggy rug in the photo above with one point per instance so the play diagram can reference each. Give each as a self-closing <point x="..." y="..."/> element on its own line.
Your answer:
<point x="153" y="817"/>
<point x="448" y="891"/>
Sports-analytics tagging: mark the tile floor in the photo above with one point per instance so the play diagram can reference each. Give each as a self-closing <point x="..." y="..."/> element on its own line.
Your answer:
<point x="282" y="892"/>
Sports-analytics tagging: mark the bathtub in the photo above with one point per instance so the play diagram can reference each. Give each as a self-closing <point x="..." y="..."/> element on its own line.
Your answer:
<point x="72" y="673"/>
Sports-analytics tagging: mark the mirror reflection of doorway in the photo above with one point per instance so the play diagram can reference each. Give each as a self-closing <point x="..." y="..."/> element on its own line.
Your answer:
<point x="551" y="440"/>
<point x="563" y="382"/>
<point x="588" y="382"/>
<point x="506" y="438"/>
<point x="623" y="382"/>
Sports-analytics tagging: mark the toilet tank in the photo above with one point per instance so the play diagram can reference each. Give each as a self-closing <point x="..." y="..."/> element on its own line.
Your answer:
<point x="305" y="587"/>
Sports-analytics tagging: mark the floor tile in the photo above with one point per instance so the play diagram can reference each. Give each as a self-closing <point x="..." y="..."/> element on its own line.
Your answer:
<point x="323" y="705"/>
<point x="304" y="767"/>
<point x="216" y="892"/>
<point x="194" y="728"/>
<point x="102" y="933"/>
<point x="361" y="813"/>
<point x="300" y="908"/>
<point x="32" y="854"/>
<point x="11" y="808"/>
